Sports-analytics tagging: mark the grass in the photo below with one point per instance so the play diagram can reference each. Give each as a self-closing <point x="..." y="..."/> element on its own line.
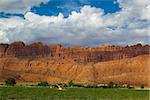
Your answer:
<point x="45" y="93"/>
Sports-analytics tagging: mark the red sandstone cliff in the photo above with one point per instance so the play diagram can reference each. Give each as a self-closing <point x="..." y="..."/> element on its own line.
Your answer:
<point x="37" y="61"/>
<point x="77" y="54"/>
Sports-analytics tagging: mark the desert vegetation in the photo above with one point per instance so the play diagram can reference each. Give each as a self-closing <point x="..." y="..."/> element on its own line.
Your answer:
<point x="71" y="91"/>
<point x="10" y="81"/>
<point x="43" y="83"/>
<point x="71" y="84"/>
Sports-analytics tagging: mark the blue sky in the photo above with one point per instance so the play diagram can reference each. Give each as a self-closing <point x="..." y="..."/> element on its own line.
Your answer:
<point x="71" y="22"/>
<point x="67" y="6"/>
<point x="54" y="7"/>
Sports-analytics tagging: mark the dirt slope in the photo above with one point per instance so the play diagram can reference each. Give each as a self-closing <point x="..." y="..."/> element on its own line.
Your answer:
<point x="134" y="70"/>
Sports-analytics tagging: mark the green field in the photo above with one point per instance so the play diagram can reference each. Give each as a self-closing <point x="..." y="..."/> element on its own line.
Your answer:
<point x="45" y="93"/>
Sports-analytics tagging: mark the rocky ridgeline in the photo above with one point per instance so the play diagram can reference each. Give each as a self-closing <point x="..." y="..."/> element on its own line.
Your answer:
<point x="75" y="54"/>
<point x="53" y="63"/>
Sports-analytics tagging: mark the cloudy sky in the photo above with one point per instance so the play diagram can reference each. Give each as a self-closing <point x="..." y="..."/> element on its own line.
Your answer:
<point x="71" y="22"/>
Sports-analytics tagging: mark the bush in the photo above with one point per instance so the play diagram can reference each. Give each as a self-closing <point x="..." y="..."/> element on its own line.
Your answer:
<point x="110" y="84"/>
<point x="10" y="81"/>
<point x="116" y="86"/>
<point x="129" y="87"/>
<point x="43" y="83"/>
<point x="103" y="86"/>
<point x="54" y="86"/>
<point x="91" y="86"/>
<point x="142" y="86"/>
<point x="78" y="85"/>
<point x="65" y="85"/>
<point x="2" y="84"/>
<point x="70" y="83"/>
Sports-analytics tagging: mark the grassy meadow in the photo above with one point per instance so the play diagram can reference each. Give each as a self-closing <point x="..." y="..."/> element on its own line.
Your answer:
<point x="46" y="93"/>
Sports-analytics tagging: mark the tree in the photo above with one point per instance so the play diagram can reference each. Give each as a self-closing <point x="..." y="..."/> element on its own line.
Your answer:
<point x="70" y="83"/>
<point x="129" y="86"/>
<point x="43" y="83"/>
<point x="116" y="85"/>
<point x="110" y="84"/>
<point x="65" y="85"/>
<point x="142" y="86"/>
<point x="10" y="81"/>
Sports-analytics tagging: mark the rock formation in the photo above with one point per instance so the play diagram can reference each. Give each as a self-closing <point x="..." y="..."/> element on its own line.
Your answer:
<point x="54" y="63"/>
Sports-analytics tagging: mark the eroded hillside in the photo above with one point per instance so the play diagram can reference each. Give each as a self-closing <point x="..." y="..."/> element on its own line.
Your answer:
<point x="36" y="62"/>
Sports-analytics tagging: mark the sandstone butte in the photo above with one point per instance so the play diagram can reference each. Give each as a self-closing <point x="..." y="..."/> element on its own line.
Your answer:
<point x="56" y="64"/>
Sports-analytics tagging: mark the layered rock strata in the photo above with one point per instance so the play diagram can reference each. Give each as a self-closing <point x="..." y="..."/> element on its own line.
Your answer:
<point x="55" y="64"/>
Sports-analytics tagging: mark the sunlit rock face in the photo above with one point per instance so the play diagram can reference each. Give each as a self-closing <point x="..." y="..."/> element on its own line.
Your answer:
<point x="54" y="63"/>
<point x="76" y="54"/>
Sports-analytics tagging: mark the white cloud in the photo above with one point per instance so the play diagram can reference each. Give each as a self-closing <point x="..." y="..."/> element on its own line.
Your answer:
<point x="3" y="37"/>
<point x="146" y="12"/>
<point x="137" y="8"/>
<point x="89" y="27"/>
<point x="19" y="6"/>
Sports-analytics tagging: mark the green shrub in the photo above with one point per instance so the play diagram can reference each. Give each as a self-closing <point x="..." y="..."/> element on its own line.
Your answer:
<point x="129" y="87"/>
<point x="2" y="84"/>
<point x="78" y="85"/>
<point x="54" y="86"/>
<point x="116" y="86"/>
<point x="91" y="86"/>
<point x="110" y="84"/>
<point x="43" y="83"/>
<point x="65" y="85"/>
<point x="142" y="86"/>
<point x="70" y="83"/>
<point x="103" y="86"/>
<point x="10" y="81"/>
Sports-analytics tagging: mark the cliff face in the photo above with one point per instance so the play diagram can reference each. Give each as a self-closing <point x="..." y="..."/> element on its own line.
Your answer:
<point x="36" y="62"/>
<point x="77" y="54"/>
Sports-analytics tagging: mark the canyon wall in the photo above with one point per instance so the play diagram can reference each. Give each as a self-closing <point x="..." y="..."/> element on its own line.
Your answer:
<point x="56" y="64"/>
<point x="75" y="54"/>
